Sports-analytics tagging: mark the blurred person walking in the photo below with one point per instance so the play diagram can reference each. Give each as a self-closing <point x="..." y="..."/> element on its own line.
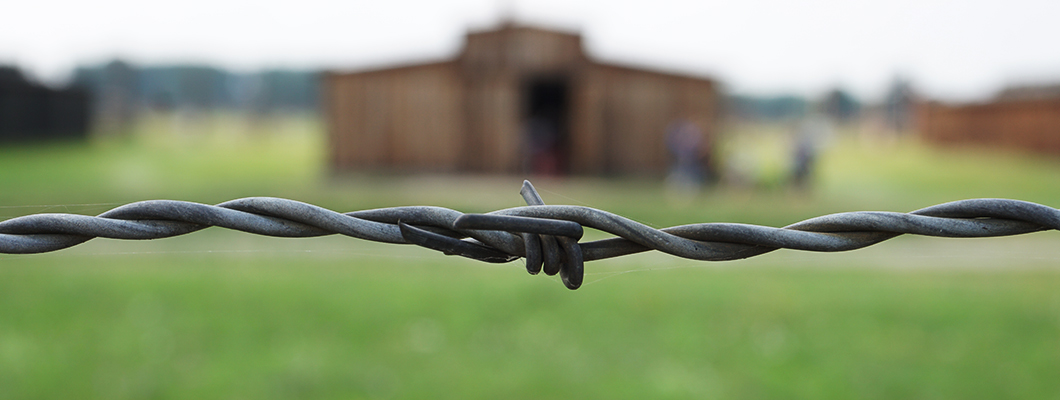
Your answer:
<point x="684" y="140"/>
<point x="810" y="136"/>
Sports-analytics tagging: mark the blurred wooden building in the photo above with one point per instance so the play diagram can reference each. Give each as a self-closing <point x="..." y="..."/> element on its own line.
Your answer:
<point x="30" y="111"/>
<point x="515" y="99"/>
<point x="1025" y="118"/>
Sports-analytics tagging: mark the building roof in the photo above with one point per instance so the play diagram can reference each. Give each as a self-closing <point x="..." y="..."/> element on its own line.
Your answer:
<point x="524" y="47"/>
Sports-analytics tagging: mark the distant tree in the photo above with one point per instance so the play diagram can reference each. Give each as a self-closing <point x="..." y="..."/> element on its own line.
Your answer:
<point x="121" y="90"/>
<point x="899" y="104"/>
<point x="783" y="107"/>
<point x="841" y="106"/>
<point x="279" y="90"/>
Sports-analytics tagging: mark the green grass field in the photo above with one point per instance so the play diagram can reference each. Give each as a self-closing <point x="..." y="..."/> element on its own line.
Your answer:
<point x="227" y="315"/>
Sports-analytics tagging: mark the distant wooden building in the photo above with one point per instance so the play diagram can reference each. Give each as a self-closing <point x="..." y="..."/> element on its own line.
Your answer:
<point x="31" y="112"/>
<point x="1018" y="118"/>
<point x="515" y="99"/>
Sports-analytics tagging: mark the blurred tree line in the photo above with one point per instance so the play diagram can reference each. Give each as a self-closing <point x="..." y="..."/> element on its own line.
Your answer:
<point x="120" y="90"/>
<point x="894" y="112"/>
<point x="838" y="104"/>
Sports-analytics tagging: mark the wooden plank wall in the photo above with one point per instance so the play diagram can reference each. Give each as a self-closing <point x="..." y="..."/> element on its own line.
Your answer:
<point x="522" y="51"/>
<point x="403" y="118"/>
<point x="622" y="115"/>
<point x="493" y="138"/>
<point x="1024" y="124"/>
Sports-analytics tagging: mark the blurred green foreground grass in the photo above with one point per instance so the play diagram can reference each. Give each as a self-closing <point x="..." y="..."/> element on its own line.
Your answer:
<point x="221" y="314"/>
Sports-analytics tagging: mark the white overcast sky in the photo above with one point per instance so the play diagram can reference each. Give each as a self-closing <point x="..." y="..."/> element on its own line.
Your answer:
<point x="949" y="49"/>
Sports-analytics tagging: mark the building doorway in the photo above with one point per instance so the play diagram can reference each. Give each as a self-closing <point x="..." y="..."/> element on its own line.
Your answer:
<point x="545" y="126"/>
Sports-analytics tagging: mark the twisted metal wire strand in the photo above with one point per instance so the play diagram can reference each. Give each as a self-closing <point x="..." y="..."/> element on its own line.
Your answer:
<point x="546" y="236"/>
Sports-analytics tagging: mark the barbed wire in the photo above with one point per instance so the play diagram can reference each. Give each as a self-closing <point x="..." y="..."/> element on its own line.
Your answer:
<point x="547" y="237"/>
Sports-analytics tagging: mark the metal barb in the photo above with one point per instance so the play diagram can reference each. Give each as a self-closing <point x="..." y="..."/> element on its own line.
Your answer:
<point x="546" y="236"/>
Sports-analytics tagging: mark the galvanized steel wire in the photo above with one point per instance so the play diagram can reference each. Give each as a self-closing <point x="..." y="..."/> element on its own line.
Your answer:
<point x="546" y="236"/>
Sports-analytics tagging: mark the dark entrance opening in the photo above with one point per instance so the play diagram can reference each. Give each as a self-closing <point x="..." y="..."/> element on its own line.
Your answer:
<point x="545" y="126"/>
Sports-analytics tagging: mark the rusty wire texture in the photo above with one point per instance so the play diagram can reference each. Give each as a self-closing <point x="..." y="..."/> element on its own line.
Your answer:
<point x="546" y="236"/>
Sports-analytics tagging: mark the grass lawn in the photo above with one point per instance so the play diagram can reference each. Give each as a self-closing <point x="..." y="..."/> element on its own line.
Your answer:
<point x="221" y="314"/>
